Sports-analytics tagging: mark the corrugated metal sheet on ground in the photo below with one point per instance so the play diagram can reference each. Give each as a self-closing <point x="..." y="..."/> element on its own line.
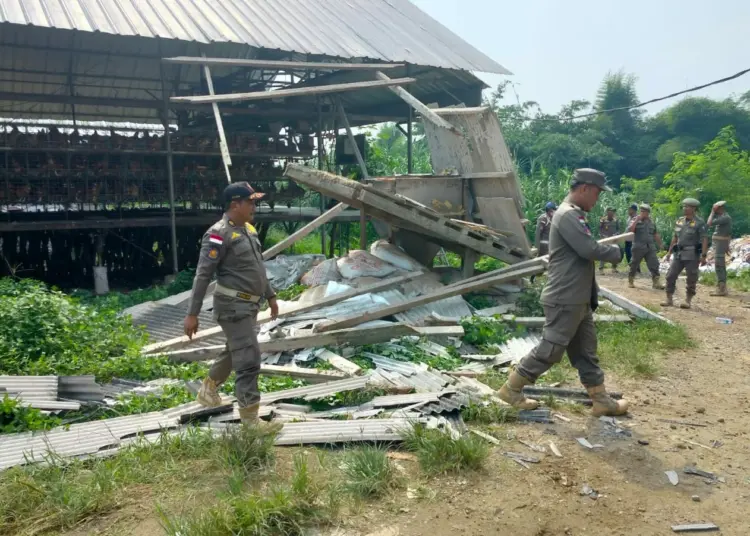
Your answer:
<point x="30" y="388"/>
<point x="314" y="392"/>
<point x="390" y="401"/>
<point x="455" y="307"/>
<point x="402" y="367"/>
<point x="163" y="322"/>
<point x="82" y="388"/>
<point x="90" y="437"/>
<point x="515" y="349"/>
<point x="343" y="431"/>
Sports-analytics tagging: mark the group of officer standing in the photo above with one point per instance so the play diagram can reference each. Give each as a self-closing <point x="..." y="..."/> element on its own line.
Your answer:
<point x="686" y="251"/>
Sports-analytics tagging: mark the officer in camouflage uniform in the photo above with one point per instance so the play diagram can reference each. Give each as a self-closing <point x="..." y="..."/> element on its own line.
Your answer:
<point x="231" y="250"/>
<point x="609" y="225"/>
<point x="632" y="214"/>
<point x="543" y="223"/>
<point x="569" y="300"/>
<point x="646" y="243"/>
<point x="689" y="243"/>
<point x="720" y="239"/>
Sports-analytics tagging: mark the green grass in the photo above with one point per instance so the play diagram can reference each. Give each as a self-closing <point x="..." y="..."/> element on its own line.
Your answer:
<point x="489" y="413"/>
<point x="736" y="281"/>
<point x="634" y="348"/>
<point x="247" y="448"/>
<point x="291" y="293"/>
<point x="308" y="499"/>
<point x="307" y="245"/>
<point x="368" y="473"/>
<point x="438" y="453"/>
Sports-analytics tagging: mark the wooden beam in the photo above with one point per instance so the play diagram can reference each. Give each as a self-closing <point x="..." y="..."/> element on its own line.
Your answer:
<point x="442" y="293"/>
<point x="306" y="230"/>
<point x="635" y="309"/>
<point x="294" y="92"/>
<point x="225" y="156"/>
<point x="419" y="106"/>
<point x="271" y="64"/>
<point x="340" y="363"/>
<point x="265" y="316"/>
<point x="355" y="336"/>
<point x="310" y="374"/>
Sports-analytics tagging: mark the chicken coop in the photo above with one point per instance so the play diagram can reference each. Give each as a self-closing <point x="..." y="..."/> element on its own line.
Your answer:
<point x="122" y="122"/>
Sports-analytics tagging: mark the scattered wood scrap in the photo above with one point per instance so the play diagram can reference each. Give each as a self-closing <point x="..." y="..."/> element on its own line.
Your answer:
<point x="630" y="306"/>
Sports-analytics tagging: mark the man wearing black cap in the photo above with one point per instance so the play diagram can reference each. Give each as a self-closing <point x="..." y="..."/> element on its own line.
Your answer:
<point x="632" y="214"/>
<point x="569" y="300"/>
<point x="231" y="250"/>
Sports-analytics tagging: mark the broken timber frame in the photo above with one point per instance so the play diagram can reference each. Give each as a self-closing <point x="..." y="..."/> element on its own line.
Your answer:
<point x="304" y="231"/>
<point x="293" y="92"/>
<point x="442" y="293"/>
<point x="266" y="317"/>
<point x="419" y="106"/>
<point x="224" y="148"/>
<point x="363" y="168"/>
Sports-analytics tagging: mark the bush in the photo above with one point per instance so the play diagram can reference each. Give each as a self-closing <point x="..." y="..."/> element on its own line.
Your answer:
<point x="43" y="331"/>
<point x="14" y="417"/>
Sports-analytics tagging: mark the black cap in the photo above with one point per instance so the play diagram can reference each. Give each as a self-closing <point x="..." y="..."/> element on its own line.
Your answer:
<point x="634" y="206"/>
<point x="238" y="191"/>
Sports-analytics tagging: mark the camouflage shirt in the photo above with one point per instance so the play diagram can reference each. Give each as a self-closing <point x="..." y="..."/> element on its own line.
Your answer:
<point x="235" y="255"/>
<point x="572" y="252"/>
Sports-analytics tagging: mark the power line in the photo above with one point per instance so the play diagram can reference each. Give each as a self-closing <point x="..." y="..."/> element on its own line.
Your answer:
<point x="639" y="105"/>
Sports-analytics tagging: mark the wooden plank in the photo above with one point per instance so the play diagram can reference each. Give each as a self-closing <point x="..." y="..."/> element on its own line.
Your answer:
<point x="306" y="230"/>
<point x="340" y="363"/>
<point x="538" y="321"/>
<point x="295" y="92"/>
<point x="635" y="309"/>
<point x="439" y="331"/>
<point x="266" y="317"/>
<point x="500" y="213"/>
<point x="439" y="294"/>
<point x="460" y="111"/>
<point x="419" y="106"/>
<point x="309" y="374"/>
<point x="354" y="336"/>
<point x="224" y="147"/>
<point x="266" y="64"/>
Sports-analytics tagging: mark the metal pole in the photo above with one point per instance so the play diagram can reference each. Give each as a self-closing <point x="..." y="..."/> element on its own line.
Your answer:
<point x="170" y="170"/>
<point x="365" y="175"/>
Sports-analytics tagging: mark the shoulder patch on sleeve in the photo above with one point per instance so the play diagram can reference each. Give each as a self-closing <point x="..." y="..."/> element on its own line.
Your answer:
<point x="236" y="235"/>
<point x="582" y="221"/>
<point x="215" y="238"/>
<point x="213" y="253"/>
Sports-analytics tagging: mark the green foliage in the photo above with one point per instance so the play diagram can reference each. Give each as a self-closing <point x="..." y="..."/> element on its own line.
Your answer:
<point x="528" y="302"/>
<point x="439" y="453"/>
<point x="247" y="448"/>
<point x="15" y="417"/>
<point x="489" y="413"/>
<point x="345" y="399"/>
<point x="44" y="331"/>
<point x="483" y="332"/>
<point x="117" y="300"/>
<point x="368" y="472"/>
<point x="488" y="264"/>
<point x="291" y="293"/>
<point x="479" y="301"/>
<point x="633" y="348"/>
<point x="387" y="152"/>
<point x="736" y="280"/>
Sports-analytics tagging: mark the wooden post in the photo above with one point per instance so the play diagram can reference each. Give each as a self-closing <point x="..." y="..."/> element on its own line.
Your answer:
<point x="418" y="105"/>
<point x="306" y="230"/>
<point x="224" y="147"/>
<point x="170" y="171"/>
<point x="409" y="141"/>
<point x="320" y="166"/>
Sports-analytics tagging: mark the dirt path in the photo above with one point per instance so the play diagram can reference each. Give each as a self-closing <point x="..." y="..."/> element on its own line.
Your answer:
<point x="709" y="384"/>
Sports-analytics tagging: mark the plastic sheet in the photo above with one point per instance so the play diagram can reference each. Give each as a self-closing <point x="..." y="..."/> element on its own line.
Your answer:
<point x="360" y="263"/>
<point x="286" y="270"/>
<point x="321" y="274"/>
<point x="394" y="255"/>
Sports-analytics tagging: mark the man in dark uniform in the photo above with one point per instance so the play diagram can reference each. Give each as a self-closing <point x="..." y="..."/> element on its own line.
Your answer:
<point x="609" y="225"/>
<point x="231" y="250"/>
<point x="543" y="223"/>
<point x="720" y="240"/>
<point x="632" y="214"/>
<point x="569" y="300"/>
<point x="646" y="243"/>
<point x="690" y="243"/>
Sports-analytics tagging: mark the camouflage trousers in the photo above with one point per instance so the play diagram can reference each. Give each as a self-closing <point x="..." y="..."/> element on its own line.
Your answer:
<point x="242" y="353"/>
<point x="675" y="269"/>
<point x="571" y="329"/>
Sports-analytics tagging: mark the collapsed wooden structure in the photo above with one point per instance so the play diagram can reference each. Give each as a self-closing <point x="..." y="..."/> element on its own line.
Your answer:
<point x="121" y="123"/>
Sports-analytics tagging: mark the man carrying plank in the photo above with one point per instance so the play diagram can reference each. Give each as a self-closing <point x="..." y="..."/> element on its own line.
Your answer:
<point x="231" y="250"/>
<point x="570" y="299"/>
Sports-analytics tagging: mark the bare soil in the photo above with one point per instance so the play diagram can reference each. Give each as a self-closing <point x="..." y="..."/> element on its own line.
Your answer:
<point x="707" y="385"/>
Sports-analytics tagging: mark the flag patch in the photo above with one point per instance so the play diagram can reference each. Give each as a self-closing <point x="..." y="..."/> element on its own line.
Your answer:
<point x="582" y="221"/>
<point x="215" y="239"/>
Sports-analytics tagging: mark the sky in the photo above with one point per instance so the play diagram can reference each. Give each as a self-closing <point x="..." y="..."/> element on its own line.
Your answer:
<point x="560" y="50"/>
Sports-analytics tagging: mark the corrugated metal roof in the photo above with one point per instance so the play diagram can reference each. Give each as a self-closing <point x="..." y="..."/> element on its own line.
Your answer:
<point x="515" y="349"/>
<point x="343" y="431"/>
<point x="30" y="388"/>
<point x="163" y="322"/>
<point x="318" y="391"/>
<point x="386" y="30"/>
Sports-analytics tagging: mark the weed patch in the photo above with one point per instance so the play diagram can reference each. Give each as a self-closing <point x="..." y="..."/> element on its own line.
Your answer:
<point x="633" y="349"/>
<point x="489" y="413"/>
<point x="368" y="472"/>
<point x="439" y="453"/>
